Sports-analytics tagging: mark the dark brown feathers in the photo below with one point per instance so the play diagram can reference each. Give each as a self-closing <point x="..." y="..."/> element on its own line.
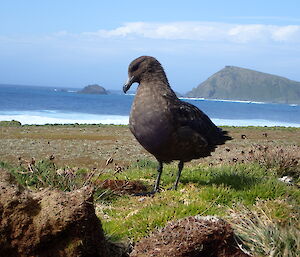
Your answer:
<point x="167" y="127"/>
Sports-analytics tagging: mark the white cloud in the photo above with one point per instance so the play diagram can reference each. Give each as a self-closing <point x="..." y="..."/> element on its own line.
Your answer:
<point x="247" y="33"/>
<point x="207" y="32"/>
<point x="172" y="31"/>
<point x="287" y="33"/>
<point x="203" y="31"/>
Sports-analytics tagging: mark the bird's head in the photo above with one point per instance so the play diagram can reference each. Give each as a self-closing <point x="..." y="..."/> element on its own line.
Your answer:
<point x="140" y="68"/>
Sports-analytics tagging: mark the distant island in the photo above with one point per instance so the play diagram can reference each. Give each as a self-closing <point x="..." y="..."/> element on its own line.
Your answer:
<point x="235" y="83"/>
<point x="93" y="89"/>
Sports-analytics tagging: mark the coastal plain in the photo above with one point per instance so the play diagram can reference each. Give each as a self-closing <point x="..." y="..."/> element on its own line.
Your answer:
<point x="90" y="146"/>
<point x="252" y="181"/>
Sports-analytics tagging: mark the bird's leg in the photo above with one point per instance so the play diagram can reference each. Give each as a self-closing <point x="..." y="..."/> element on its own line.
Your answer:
<point x="180" y="167"/>
<point x="159" y="170"/>
<point x="156" y="186"/>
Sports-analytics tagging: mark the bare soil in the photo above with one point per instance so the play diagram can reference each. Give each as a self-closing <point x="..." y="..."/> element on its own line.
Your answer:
<point x="48" y="222"/>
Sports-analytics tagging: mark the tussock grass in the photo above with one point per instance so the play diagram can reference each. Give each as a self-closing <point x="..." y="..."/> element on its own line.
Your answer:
<point x="265" y="233"/>
<point x="44" y="173"/>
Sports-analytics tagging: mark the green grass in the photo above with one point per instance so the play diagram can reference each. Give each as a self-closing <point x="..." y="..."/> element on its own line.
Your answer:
<point x="203" y="190"/>
<point x="44" y="173"/>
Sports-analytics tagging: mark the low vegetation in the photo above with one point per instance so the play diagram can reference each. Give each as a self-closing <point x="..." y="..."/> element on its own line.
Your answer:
<point x="284" y="161"/>
<point x="12" y="123"/>
<point x="267" y="232"/>
<point x="246" y="191"/>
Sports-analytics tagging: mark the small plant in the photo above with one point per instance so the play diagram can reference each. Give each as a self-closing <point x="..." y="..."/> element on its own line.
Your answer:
<point x="285" y="161"/>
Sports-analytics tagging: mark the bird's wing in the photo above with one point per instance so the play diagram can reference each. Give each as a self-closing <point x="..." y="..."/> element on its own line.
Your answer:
<point x="187" y="115"/>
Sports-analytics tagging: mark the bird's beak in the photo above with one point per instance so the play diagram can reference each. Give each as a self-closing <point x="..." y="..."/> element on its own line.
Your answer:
<point x="128" y="84"/>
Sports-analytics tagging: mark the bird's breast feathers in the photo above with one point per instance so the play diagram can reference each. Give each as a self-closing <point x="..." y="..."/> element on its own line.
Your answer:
<point x="150" y="120"/>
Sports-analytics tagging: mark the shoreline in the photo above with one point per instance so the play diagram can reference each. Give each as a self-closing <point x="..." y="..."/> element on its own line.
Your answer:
<point x="53" y="118"/>
<point x="15" y="123"/>
<point x="234" y="101"/>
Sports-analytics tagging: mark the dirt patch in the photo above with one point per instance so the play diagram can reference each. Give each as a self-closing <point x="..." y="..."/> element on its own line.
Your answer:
<point x="48" y="222"/>
<point x="191" y="237"/>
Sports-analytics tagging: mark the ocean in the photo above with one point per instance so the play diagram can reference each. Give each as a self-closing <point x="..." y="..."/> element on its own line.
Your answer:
<point x="49" y="105"/>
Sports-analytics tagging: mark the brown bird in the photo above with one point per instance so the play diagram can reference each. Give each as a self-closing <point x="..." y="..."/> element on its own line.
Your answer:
<point x="165" y="126"/>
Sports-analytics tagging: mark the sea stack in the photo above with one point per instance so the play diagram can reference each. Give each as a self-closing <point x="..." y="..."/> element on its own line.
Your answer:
<point x="93" y="89"/>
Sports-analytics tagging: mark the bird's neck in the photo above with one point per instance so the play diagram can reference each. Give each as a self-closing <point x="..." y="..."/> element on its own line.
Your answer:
<point x="157" y="76"/>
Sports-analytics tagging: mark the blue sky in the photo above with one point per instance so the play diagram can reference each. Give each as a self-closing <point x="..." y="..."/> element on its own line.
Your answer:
<point x="74" y="43"/>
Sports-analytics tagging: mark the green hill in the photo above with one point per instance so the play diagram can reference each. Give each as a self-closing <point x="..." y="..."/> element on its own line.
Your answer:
<point x="235" y="83"/>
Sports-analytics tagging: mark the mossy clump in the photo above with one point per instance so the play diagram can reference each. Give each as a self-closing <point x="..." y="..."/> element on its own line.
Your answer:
<point x="10" y="123"/>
